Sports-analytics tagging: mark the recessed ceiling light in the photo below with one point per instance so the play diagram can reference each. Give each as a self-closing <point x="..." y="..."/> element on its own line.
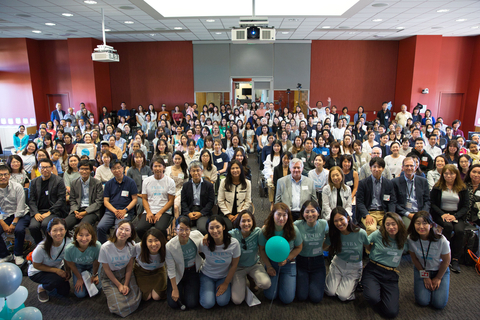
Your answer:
<point x="153" y="34"/>
<point x="379" y="5"/>
<point x="67" y="14"/>
<point x="377" y="20"/>
<point x="90" y="2"/>
<point x="435" y="28"/>
<point x="126" y="7"/>
<point x="343" y="27"/>
<point x="178" y="28"/>
<point x="129" y="22"/>
<point x="443" y="10"/>
<point x="400" y="28"/>
<point x="23" y="15"/>
<point x="326" y="27"/>
<point x="72" y="30"/>
<point x="50" y="24"/>
<point x="285" y="32"/>
<point x="107" y="30"/>
<point x="378" y="36"/>
<point x="351" y="32"/>
<point x="218" y="33"/>
<point x="461" y="20"/>
<point x="210" y="20"/>
<point x="292" y="19"/>
<point x="36" y="31"/>
<point x="475" y="27"/>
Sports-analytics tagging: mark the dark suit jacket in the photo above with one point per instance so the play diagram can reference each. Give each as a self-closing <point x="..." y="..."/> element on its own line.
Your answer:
<point x="365" y="195"/>
<point x="57" y="115"/>
<point x="308" y="164"/>
<point x="95" y="190"/>
<point x="56" y="195"/>
<point x="436" y="198"/>
<point x="421" y="192"/>
<point x="207" y="198"/>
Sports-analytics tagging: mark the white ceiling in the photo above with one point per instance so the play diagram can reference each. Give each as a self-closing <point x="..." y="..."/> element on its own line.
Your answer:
<point x="417" y="17"/>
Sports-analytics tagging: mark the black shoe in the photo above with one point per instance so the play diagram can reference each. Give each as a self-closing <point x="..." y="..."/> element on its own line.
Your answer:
<point x="455" y="266"/>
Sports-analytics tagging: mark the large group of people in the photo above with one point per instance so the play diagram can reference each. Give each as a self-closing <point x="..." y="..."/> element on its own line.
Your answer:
<point x="181" y="182"/>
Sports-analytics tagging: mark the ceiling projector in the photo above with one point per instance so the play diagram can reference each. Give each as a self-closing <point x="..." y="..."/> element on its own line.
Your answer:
<point x="253" y="29"/>
<point x="104" y="53"/>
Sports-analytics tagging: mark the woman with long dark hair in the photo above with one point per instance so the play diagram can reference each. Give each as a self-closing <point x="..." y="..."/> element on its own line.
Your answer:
<point x="346" y="241"/>
<point x="380" y="276"/>
<point x="430" y="255"/>
<point x="178" y="172"/>
<point x="20" y="139"/>
<point x="280" y="223"/>
<point x="209" y="170"/>
<point x="221" y="260"/>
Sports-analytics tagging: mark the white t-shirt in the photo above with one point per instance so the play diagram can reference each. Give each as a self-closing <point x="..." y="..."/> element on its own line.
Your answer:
<point x="115" y="258"/>
<point x="217" y="263"/>
<point x="395" y="165"/>
<point x="157" y="192"/>
<point x="155" y="264"/>
<point x="39" y="255"/>
<point x="437" y="248"/>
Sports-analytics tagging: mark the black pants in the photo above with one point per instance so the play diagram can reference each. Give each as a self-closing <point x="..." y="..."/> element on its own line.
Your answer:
<point x="380" y="289"/>
<point x="36" y="227"/>
<point x="456" y="240"/>
<point x="188" y="289"/>
<point x="71" y="220"/>
<point x="51" y="281"/>
<point x="162" y="224"/>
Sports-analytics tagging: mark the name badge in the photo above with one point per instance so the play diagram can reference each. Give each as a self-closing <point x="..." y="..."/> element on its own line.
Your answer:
<point x="349" y="183"/>
<point x="354" y="258"/>
<point x="125" y="193"/>
<point x="424" y="274"/>
<point x="396" y="259"/>
<point x="424" y="159"/>
<point x="477" y="193"/>
<point x="409" y="205"/>
<point x="386" y="117"/>
<point x="303" y="159"/>
<point x="324" y="153"/>
<point x="46" y="193"/>
<point x="364" y="159"/>
<point x="165" y="160"/>
<point x="181" y="176"/>
<point x="144" y="177"/>
<point x="386" y="197"/>
<point x="219" y="160"/>
<point x="304" y="187"/>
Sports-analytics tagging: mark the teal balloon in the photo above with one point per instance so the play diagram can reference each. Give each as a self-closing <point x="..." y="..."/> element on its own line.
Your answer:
<point x="10" y="278"/>
<point x="277" y="249"/>
<point x="28" y="313"/>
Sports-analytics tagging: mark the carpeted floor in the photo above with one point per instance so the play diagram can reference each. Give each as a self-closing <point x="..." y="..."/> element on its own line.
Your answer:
<point x="463" y="301"/>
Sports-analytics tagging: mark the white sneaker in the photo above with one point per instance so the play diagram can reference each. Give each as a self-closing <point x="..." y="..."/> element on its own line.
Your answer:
<point x="19" y="261"/>
<point x="7" y="258"/>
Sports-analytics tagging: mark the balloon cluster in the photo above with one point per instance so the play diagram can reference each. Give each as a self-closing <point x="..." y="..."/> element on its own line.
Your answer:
<point x="13" y="295"/>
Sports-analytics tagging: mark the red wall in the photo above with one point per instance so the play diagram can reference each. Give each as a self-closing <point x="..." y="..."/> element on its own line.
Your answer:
<point x="15" y="83"/>
<point x="406" y="61"/>
<point x="472" y="104"/>
<point x="152" y="72"/>
<point x="354" y="73"/>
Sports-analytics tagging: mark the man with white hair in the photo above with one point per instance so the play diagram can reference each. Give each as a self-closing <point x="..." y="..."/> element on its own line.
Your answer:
<point x="294" y="189"/>
<point x="70" y="115"/>
<point x="365" y="170"/>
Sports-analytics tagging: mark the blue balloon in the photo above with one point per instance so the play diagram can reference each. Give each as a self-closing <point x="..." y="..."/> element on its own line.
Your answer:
<point x="10" y="279"/>
<point x="277" y="249"/>
<point x="28" y="313"/>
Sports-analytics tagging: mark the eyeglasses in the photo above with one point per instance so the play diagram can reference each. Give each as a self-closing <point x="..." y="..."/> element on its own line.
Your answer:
<point x="180" y="230"/>
<point x="4" y="175"/>
<point x="45" y="168"/>
<point x="244" y="244"/>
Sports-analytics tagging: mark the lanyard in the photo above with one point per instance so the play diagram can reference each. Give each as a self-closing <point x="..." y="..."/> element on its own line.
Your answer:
<point x="423" y="254"/>
<point x="409" y="192"/>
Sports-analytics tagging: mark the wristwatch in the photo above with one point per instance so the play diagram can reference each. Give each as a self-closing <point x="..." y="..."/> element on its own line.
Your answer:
<point x="14" y="223"/>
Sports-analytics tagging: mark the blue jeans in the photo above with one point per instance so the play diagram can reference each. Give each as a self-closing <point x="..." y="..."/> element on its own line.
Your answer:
<point x="208" y="292"/>
<point x="19" y="233"/>
<point x="424" y="297"/>
<point x="311" y="274"/>
<point x="283" y="284"/>
<point x="83" y="292"/>
<point x="108" y="220"/>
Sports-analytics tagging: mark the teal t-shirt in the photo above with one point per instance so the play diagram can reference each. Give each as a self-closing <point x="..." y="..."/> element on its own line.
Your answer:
<point x="249" y="248"/>
<point x="313" y="237"/>
<point x="189" y="253"/>
<point x="390" y="255"/>
<point x="293" y="243"/>
<point x="73" y="254"/>
<point x="352" y="246"/>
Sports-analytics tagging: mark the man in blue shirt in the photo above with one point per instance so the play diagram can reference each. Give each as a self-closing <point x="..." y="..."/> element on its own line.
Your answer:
<point x="124" y="112"/>
<point x="120" y="199"/>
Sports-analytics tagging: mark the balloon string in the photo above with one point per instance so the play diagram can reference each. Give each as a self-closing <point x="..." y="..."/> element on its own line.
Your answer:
<point x="276" y="288"/>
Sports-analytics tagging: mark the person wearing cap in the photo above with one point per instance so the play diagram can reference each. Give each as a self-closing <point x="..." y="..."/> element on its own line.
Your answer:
<point x="165" y="112"/>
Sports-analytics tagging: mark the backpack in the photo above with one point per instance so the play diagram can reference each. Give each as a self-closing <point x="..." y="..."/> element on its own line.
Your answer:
<point x="470" y="243"/>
